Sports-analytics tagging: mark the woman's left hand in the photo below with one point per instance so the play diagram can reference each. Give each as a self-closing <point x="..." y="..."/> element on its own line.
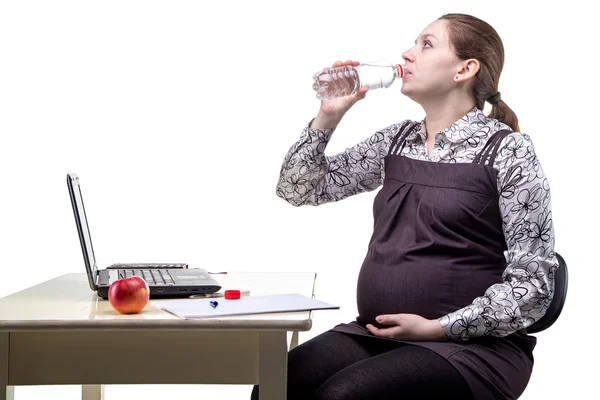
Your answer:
<point x="409" y="327"/>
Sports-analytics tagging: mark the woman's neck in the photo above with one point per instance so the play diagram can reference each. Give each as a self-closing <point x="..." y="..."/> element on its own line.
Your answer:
<point x="440" y="115"/>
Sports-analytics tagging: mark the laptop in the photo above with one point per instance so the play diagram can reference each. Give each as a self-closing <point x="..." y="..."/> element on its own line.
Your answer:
<point x="166" y="280"/>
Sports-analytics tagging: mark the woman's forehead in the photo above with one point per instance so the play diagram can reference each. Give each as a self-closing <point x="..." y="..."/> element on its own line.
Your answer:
<point x="436" y="29"/>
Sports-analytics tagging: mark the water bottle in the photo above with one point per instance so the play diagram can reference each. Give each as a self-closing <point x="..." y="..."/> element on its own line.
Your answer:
<point x="343" y="81"/>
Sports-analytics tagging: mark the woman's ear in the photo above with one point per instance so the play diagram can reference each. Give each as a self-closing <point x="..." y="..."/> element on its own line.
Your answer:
<point x="468" y="70"/>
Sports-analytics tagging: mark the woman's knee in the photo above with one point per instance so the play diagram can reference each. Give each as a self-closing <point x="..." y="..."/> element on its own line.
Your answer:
<point x="315" y="361"/>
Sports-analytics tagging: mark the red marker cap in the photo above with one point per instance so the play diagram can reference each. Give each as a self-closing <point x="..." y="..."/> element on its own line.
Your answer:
<point x="232" y="294"/>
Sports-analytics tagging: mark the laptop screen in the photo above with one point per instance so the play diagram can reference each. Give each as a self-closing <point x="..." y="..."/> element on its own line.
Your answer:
<point x="82" y="227"/>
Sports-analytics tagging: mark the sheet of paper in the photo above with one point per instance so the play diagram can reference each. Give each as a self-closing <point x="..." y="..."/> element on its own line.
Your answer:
<point x="201" y="308"/>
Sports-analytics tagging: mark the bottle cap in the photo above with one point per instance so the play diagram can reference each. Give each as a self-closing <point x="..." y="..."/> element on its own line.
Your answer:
<point x="400" y="71"/>
<point x="232" y="294"/>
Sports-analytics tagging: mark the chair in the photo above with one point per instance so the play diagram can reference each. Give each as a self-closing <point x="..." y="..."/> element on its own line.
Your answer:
<point x="561" y="283"/>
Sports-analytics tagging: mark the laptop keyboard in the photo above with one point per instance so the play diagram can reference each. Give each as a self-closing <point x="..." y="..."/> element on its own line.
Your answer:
<point x="151" y="276"/>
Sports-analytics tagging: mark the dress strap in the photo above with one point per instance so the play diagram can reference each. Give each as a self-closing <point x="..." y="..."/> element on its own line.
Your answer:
<point x="401" y="136"/>
<point x="487" y="156"/>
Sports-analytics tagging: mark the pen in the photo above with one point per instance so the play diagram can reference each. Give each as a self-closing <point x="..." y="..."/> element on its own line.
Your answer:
<point x="217" y="294"/>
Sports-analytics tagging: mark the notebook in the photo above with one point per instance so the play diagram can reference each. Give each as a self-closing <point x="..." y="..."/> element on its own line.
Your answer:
<point x="279" y="303"/>
<point x="164" y="279"/>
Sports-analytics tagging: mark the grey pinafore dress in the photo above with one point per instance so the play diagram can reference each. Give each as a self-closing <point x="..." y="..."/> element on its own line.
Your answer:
<point x="437" y="245"/>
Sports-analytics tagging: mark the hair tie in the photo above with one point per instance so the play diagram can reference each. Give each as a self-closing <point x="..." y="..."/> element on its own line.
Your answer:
<point x="494" y="99"/>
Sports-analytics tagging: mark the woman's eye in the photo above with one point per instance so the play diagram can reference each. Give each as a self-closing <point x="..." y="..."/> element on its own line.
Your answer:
<point x="426" y="44"/>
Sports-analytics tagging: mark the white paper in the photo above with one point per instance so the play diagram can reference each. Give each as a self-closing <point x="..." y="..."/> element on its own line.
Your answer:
<point x="201" y="308"/>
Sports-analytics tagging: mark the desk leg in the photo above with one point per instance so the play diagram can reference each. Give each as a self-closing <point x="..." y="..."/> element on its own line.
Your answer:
<point x="10" y="393"/>
<point x="6" y="392"/>
<point x="294" y="341"/>
<point x="92" y="392"/>
<point x="272" y="368"/>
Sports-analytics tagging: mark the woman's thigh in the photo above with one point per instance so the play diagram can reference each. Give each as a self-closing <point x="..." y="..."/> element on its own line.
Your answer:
<point x="407" y="372"/>
<point x="315" y="361"/>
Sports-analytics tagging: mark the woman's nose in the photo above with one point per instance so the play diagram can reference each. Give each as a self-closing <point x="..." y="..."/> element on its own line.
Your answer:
<point x="407" y="56"/>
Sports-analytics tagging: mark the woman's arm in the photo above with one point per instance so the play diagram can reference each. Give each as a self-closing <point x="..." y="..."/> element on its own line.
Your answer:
<point x="309" y="177"/>
<point x="528" y="280"/>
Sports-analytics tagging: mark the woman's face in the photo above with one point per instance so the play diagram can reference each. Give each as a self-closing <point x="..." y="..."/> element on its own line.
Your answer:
<point x="431" y="64"/>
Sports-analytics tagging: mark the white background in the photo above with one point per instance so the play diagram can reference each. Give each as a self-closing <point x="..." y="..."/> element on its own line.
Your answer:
<point x="177" y="115"/>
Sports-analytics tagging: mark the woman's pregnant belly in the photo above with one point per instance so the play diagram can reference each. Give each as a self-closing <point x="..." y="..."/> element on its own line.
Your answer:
<point x="430" y="286"/>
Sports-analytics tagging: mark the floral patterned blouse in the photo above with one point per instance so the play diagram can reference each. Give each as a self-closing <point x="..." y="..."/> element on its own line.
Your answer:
<point x="309" y="177"/>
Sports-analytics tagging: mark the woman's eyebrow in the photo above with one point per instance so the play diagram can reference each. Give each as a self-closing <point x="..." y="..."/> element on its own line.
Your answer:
<point x="426" y="35"/>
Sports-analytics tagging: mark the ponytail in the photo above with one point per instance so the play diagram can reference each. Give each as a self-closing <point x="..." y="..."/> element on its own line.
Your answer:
<point x="503" y="113"/>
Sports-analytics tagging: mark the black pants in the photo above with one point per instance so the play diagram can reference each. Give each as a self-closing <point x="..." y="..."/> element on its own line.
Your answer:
<point x="336" y="366"/>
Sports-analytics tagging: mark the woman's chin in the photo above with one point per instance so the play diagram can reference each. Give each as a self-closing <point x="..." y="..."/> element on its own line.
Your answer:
<point x="407" y="92"/>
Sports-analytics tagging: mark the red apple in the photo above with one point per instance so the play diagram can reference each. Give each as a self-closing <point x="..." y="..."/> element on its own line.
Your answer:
<point x="129" y="295"/>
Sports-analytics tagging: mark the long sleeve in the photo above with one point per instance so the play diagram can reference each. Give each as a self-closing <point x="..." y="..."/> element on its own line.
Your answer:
<point x="309" y="177"/>
<point x="527" y="285"/>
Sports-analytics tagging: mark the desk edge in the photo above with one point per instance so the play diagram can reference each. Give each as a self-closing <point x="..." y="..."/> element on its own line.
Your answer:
<point x="175" y="324"/>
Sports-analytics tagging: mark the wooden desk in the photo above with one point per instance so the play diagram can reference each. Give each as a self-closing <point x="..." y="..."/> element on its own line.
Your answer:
<point x="62" y="333"/>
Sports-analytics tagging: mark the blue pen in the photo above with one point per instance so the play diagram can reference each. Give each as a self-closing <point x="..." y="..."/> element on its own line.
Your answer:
<point x="214" y="304"/>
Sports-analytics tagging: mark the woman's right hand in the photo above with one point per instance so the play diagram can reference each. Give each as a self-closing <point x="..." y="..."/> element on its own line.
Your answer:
<point x="332" y="111"/>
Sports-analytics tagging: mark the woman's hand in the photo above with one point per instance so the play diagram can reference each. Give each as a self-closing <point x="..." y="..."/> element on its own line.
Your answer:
<point x="340" y="105"/>
<point x="409" y="327"/>
<point x="332" y="110"/>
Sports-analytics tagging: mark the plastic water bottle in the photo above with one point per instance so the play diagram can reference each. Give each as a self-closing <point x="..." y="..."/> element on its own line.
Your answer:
<point x="343" y="81"/>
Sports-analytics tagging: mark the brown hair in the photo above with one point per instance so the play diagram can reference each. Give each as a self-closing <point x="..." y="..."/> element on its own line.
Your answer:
<point x="473" y="38"/>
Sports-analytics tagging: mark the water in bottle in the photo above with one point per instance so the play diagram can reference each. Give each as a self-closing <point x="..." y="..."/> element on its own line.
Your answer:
<point x="343" y="81"/>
